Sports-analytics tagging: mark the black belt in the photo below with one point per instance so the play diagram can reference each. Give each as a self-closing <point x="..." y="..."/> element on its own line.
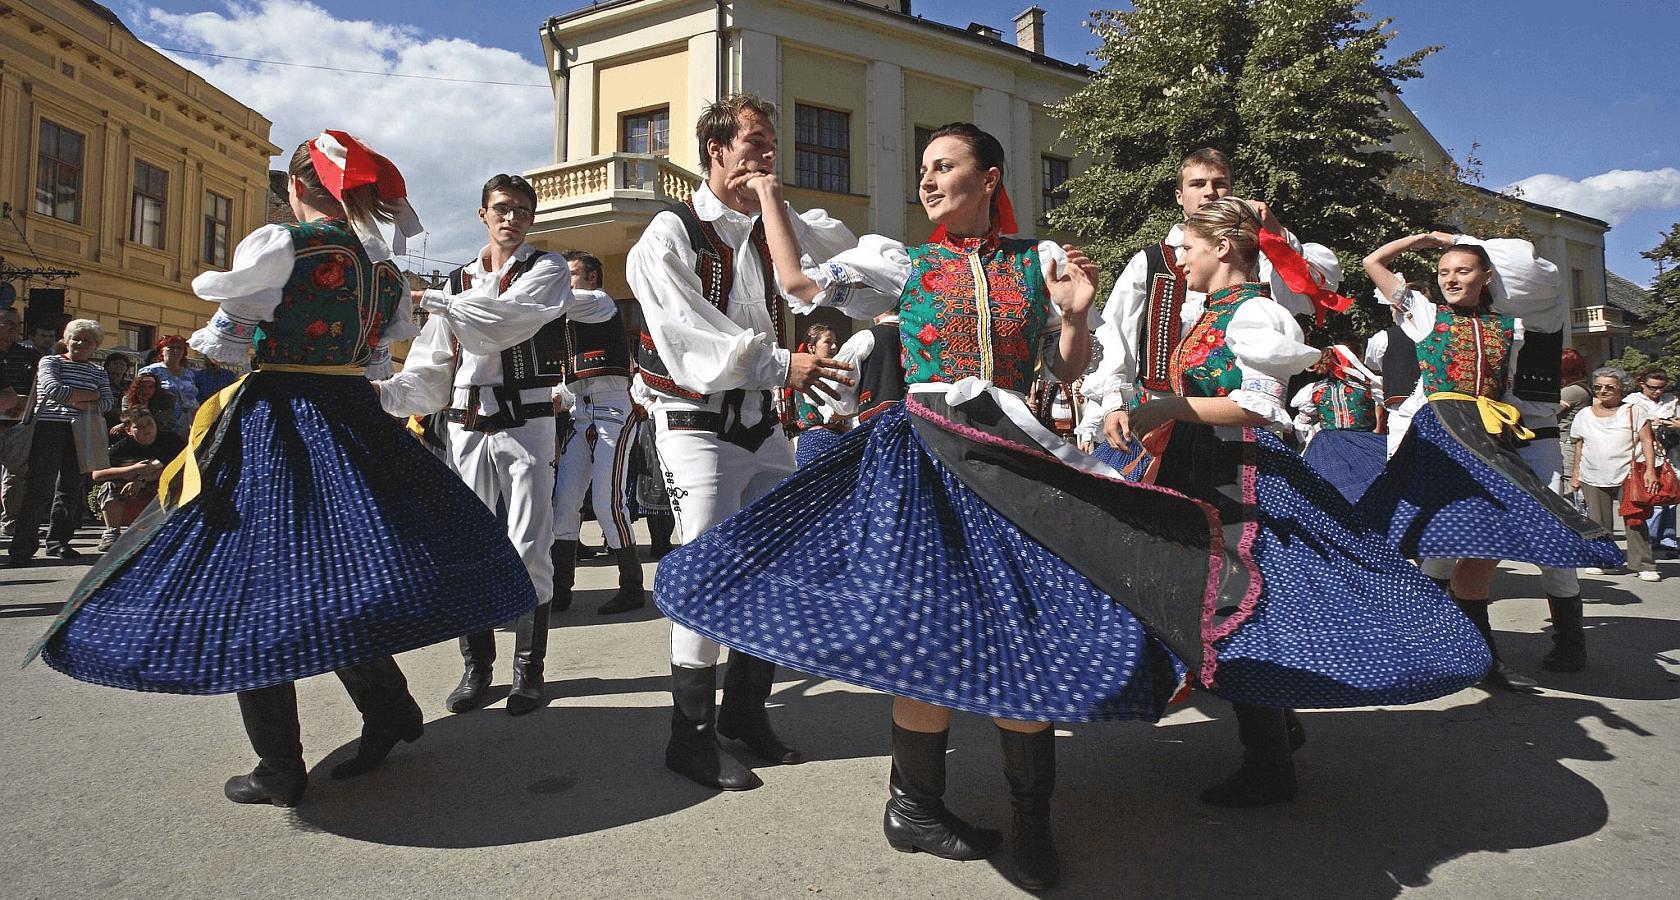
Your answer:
<point x="507" y="417"/>
<point x="727" y="423"/>
<point x="1550" y="431"/>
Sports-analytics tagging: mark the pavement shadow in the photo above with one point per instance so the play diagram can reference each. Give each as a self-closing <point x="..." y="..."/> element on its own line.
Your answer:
<point x="487" y="779"/>
<point x="1386" y="797"/>
<point x="26" y="610"/>
<point x="584" y="604"/>
<point x="1628" y="658"/>
<point x="1599" y="589"/>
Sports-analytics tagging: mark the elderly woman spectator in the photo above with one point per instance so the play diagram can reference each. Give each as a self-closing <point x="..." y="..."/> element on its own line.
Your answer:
<point x="1611" y="438"/>
<point x="172" y="372"/>
<point x="69" y="388"/>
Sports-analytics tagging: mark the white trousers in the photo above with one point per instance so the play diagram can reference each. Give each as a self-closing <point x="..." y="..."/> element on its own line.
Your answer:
<point x="1545" y="457"/>
<point x="709" y="480"/>
<point x="596" y="455"/>
<point x="512" y="471"/>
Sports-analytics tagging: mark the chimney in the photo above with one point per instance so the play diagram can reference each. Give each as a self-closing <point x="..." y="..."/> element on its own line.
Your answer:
<point x="985" y="31"/>
<point x="1029" y="30"/>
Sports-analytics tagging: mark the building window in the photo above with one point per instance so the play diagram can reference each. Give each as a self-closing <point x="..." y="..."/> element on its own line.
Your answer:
<point x="151" y="185"/>
<point x="822" y="154"/>
<point x="58" y="173"/>
<point x="1577" y="287"/>
<point x="1054" y="173"/>
<point x="648" y="132"/>
<point x="923" y="137"/>
<point x="218" y="217"/>
<point x="137" y="337"/>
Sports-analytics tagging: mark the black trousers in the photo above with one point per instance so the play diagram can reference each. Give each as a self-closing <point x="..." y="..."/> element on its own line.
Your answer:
<point x="377" y="687"/>
<point x="52" y="463"/>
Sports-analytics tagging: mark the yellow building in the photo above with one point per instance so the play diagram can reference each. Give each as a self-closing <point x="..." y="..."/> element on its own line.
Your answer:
<point x="120" y="165"/>
<point x="859" y="85"/>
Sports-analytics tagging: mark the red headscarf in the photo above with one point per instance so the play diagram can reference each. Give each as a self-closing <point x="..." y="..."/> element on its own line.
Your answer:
<point x="343" y="163"/>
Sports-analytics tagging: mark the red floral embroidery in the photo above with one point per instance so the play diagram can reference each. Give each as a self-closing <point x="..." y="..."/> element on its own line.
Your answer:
<point x="330" y="276"/>
<point x="928" y="334"/>
<point x="315" y="330"/>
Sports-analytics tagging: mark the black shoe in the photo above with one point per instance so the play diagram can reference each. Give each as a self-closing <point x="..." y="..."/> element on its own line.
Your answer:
<point x="469" y="694"/>
<point x="1498" y="676"/>
<point x="586" y="552"/>
<point x="1297" y="733"/>
<point x="1569" y="640"/>
<point x="529" y="648"/>
<point x="17" y="562"/>
<point x="64" y="552"/>
<point x="743" y="718"/>
<point x="693" y="751"/>
<point x="916" y="819"/>
<point x="630" y="594"/>
<point x="376" y="745"/>
<point x="1029" y="764"/>
<point x="1254" y="785"/>
<point x="278" y="789"/>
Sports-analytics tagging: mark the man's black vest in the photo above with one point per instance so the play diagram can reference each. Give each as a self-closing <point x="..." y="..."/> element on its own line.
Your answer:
<point x="1399" y="367"/>
<point x="1539" y="374"/>
<point x="880" y="378"/>
<point x="1163" y="323"/>
<point x="601" y="348"/>
<point x="538" y="362"/>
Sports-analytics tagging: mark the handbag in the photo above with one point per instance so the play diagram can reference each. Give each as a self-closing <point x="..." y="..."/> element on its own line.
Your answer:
<point x="1637" y="503"/>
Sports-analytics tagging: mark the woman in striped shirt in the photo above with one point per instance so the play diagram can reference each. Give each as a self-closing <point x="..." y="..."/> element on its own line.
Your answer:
<point x="67" y="385"/>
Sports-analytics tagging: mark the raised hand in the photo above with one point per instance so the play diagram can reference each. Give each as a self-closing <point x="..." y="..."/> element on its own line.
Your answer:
<point x="1074" y="288"/>
<point x="806" y="372"/>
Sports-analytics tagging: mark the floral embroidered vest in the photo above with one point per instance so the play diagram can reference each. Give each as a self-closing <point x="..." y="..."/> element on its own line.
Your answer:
<point x="1203" y="366"/>
<point x="1344" y="406"/>
<point x="334" y="307"/>
<point x="974" y="308"/>
<point x="1468" y="354"/>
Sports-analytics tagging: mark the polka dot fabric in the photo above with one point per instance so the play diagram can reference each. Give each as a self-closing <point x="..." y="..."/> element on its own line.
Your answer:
<point x="875" y="566"/>
<point x="326" y="536"/>
<point x="1349" y="460"/>
<point x="814" y="442"/>
<point x="1436" y="498"/>
<point x="1342" y="619"/>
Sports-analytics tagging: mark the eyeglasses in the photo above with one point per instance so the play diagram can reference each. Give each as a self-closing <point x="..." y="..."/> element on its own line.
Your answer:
<point x="503" y="211"/>
<point x="1601" y="388"/>
<point x="1659" y="388"/>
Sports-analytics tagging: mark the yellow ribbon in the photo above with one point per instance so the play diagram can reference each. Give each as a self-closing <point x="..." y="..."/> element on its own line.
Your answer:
<point x="183" y="469"/>
<point x="1496" y="417"/>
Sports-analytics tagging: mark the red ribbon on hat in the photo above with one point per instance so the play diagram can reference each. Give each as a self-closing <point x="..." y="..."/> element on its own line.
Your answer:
<point x="1301" y="277"/>
<point x="1003" y="219"/>
<point x="345" y="163"/>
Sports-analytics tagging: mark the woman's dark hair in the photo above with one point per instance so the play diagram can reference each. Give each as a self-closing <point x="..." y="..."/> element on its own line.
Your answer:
<point x="1574" y="366"/>
<point x="812" y="332"/>
<point x="361" y="200"/>
<point x="1481" y="254"/>
<point x="161" y="398"/>
<point x="986" y="149"/>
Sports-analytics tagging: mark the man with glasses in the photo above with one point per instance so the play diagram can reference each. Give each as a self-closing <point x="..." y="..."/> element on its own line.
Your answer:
<point x="1655" y="399"/>
<point x="486" y="360"/>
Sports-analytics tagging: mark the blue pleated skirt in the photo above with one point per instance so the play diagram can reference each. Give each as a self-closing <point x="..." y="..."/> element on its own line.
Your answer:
<point x="812" y="443"/>
<point x="325" y="536"/>
<point x="1339" y="618"/>
<point x="1349" y="460"/>
<point x="1439" y="498"/>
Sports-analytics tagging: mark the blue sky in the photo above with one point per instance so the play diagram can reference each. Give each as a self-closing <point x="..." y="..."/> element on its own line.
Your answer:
<point x="1586" y="93"/>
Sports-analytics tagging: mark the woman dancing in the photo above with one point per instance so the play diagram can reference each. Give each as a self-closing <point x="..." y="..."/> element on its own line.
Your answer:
<point x="299" y="533"/>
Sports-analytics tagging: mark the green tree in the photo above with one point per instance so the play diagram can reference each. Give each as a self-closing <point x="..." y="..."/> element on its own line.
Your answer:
<point x="1665" y="327"/>
<point x="1293" y="90"/>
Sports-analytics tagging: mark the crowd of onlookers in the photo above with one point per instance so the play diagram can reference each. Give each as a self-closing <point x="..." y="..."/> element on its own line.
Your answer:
<point x="83" y="437"/>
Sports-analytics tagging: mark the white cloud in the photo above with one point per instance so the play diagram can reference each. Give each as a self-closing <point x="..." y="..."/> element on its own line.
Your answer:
<point x="447" y="137"/>
<point x="1612" y="196"/>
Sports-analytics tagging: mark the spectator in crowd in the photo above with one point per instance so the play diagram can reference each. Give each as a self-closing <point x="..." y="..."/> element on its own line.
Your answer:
<point x="172" y="372"/>
<point x="1575" y="396"/>
<point x="69" y="387"/>
<point x="125" y="487"/>
<point x="17" y="385"/>
<point x="1611" y="436"/>
<point x="119" y="368"/>
<point x="1655" y="398"/>
<point x="210" y="379"/>
<point x="146" y="392"/>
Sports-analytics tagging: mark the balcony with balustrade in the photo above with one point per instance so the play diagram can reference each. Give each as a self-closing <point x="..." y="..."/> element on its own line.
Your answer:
<point x="603" y="202"/>
<point x="1597" y="319"/>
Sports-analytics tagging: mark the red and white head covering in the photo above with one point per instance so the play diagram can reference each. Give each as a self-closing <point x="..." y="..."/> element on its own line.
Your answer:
<point x="343" y="162"/>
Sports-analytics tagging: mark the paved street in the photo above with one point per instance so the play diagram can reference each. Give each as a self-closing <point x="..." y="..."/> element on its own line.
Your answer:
<point x="1569" y="794"/>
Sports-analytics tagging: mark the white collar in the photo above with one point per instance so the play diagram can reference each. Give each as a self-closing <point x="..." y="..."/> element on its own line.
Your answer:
<point x="477" y="267"/>
<point x="1175" y="236"/>
<point x="709" y="208"/>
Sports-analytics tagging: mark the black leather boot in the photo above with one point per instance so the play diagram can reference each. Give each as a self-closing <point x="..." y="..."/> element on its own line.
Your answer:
<point x="270" y="717"/>
<point x="530" y="647"/>
<point x="1029" y="764"/>
<point x="743" y="718"/>
<point x="693" y="751"/>
<point x="389" y="713"/>
<point x="478" y="652"/>
<point x="630" y="593"/>
<point x="564" y="556"/>
<point x="916" y="820"/>
<point x="1267" y="774"/>
<point x="659" y="534"/>
<point x="1569" y="640"/>
<point x="1498" y="675"/>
